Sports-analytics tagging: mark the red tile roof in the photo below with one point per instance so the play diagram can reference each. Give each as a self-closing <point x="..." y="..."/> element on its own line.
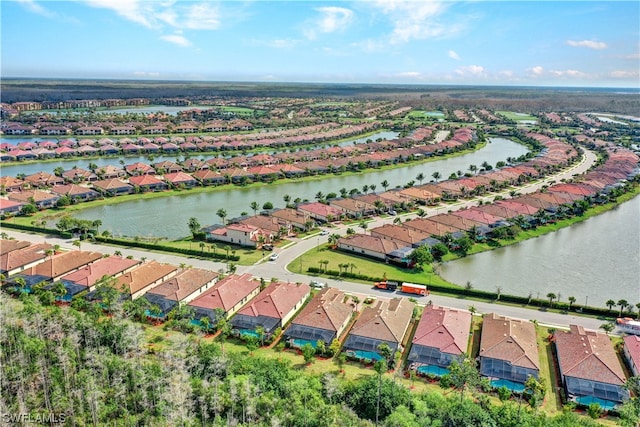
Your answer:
<point x="444" y="328"/>
<point x="227" y="293"/>
<point x="512" y="340"/>
<point x="277" y="300"/>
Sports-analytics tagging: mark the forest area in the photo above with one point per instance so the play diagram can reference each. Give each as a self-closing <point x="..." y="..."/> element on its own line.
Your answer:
<point x="87" y="368"/>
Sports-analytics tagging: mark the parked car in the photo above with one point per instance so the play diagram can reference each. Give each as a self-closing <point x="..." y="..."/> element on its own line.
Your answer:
<point x="267" y="247"/>
<point x="324" y="232"/>
<point x="393" y="213"/>
<point x="273" y="257"/>
<point x="317" y="284"/>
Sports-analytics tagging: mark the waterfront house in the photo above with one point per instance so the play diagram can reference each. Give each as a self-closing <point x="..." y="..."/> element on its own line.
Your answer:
<point x="442" y="336"/>
<point x="43" y="180"/>
<point x="113" y="187"/>
<point x="429" y="227"/>
<point x="589" y="367"/>
<point x="320" y="211"/>
<point x="508" y="351"/>
<point x="353" y="208"/>
<point x="209" y="177"/>
<point x="631" y="351"/>
<point x="386" y="321"/>
<point x="371" y="246"/>
<point x="324" y="318"/>
<point x="139" y="168"/>
<point x="75" y="192"/>
<point x="9" y="183"/>
<point x="271" y="309"/>
<point x="292" y="218"/>
<point x="397" y="233"/>
<point x="10" y="207"/>
<point x="77" y="175"/>
<point x="180" y="179"/>
<point x="110" y="172"/>
<point x="238" y="234"/>
<point x="167" y="166"/>
<point x="226" y="297"/>
<point x="148" y="183"/>
<point x="41" y="199"/>
<point x="88" y="276"/>
<point x="182" y="288"/>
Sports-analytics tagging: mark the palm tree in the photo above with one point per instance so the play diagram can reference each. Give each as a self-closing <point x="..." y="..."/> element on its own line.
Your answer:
<point x="222" y="213"/>
<point x="351" y="267"/>
<point x="551" y="297"/>
<point x="77" y="244"/>
<point x="623" y="303"/>
<point x="287" y="199"/>
<point x="572" y="301"/>
<point x="254" y="206"/>
<point x="194" y="226"/>
<point x="372" y="187"/>
<point x="365" y="188"/>
<point x="638" y="307"/>
<point x="96" y="224"/>
<point x="436" y="175"/>
<point x="610" y="303"/>
<point x="228" y="249"/>
<point x="473" y="168"/>
<point x="385" y="184"/>
<point x="420" y="177"/>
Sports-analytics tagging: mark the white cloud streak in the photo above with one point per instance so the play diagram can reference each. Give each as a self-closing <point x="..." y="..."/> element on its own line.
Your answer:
<point x="332" y="19"/>
<point x="177" y="39"/>
<point x="589" y="44"/>
<point x="454" y="55"/>
<point x="34" y="7"/>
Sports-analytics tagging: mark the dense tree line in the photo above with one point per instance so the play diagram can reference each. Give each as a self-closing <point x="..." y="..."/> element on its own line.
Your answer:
<point x="100" y="370"/>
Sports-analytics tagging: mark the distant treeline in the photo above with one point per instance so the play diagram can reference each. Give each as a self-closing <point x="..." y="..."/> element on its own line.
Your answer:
<point x="525" y="99"/>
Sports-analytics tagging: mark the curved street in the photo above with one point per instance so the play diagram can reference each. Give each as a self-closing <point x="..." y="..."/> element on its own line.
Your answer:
<point x="279" y="268"/>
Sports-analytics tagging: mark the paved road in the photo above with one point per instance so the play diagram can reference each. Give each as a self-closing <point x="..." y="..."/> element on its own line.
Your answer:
<point x="282" y="268"/>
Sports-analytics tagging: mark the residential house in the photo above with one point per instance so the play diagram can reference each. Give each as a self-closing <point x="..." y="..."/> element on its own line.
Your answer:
<point x="148" y="183"/>
<point x="77" y="174"/>
<point x="58" y="265"/>
<point x="8" y="245"/>
<point x="429" y="227"/>
<point x="353" y="208"/>
<point x="293" y="218"/>
<point x="239" y="234"/>
<point x="403" y="235"/>
<point x="209" y="177"/>
<point x="324" y="318"/>
<point x="9" y="184"/>
<point x="271" y="309"/>
<point x="75" y="192"/>
<point x="88" y="276"/>
<point x="180" y="179"/>
<point x="139" y="168"/>
<point x="631" y="351"/>
<point x="21" y="257"/>
<point x="227" y="297"/>
<point x="371" y="246"/>
<point x="41" y="199"/>
<point x="441" y="337"/>
<point x="270" y="226"/>
<point x="386" y="321"/>
<point x="182" y="288"/>
<point x="10" y="207"/>
<point x="43" y="180"/>
<point x="508" y="351"/>
<point x="113" y="187"/>
<point x="320" y="211"/>
<point x="110" y="172"/>
<point x="589" y="367"/>
<point x="142" y="279"/>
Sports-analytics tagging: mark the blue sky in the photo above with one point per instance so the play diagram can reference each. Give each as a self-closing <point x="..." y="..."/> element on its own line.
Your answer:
<point x="541" y="43"/>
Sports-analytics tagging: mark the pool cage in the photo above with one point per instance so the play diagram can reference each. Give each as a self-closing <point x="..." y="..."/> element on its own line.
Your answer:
<point x="243" y="322"/>
<point x="356" y="345"/>
<point x="425" y="355"/>
<point x="308" y="333"/>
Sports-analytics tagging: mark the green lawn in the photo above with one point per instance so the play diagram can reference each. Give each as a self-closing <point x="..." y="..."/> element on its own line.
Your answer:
<point x="515" y="116"/>
<point x="363" y="265"/>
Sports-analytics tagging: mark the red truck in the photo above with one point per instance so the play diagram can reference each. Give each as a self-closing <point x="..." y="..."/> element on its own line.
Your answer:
<point x="412" y="288"/>
<point x="388" y="285"/>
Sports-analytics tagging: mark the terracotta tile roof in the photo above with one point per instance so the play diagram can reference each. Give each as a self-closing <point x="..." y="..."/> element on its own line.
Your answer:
<point x="63" y="263"/>
<point x="512" y="340"/>
<point x="109" y="266"/>
<point x="326" y="310"/>
<point x="632" y="343"/>
<point x="371" y="243"/>
<point x="184" y="283"/>
<point x="429" y="227"/>
<point x="444" y="328"/>
<point x="385" y="320"/>
<point x="7" y="245"/>
<point x="145" y="180"/>
<point x="277" y="300"/>
<point x="36" y="195"/>
<point x="73" y="190"/>
<point x="588" y="355"/>
<point x="407" y="236"/>
<point x="178" y="177"/>
<point x="227" y="293"/>
<point x="111" y="184"/>
<point x="22" y="255"/>
<point x="144" y="276"/>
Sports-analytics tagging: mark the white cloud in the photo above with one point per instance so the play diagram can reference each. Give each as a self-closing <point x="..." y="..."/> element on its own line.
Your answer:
<point x="454" y="55"/>
<point x="506" y="73"/>
<point x="143" y="13"/>
<point x="622" y="74"/>
<point x="537" y="70"/>
<point x="590" y="44"/>
<point x="474" y="70"/>
<point x="411" y="74"/>
<point x="146" y="74"/>
<point x="201" y="16"/>
<point x="34" y="7"/>
<point x="568" y="73"/>
<point x="178" y="39"/>
<point x="332" y="19"/>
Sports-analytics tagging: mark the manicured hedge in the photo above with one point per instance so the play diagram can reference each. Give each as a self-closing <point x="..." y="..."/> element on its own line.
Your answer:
<point x="63" y="234"/>
<point x="152" y="246"/>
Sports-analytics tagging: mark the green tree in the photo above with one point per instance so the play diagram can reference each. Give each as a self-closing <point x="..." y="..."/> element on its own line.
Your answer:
<point x="308" y="352"/>
<point x="608" y="327"/>
<point x="420" y="177"/>
<point x="254" y="207"/>
<point x="194" y="226"/>
<point x="572" y="300"/>
<point x="623" y="303"/>
<point x="464" y="375"/>
<point x="551" y="297"/>
<point x="610" y="303"/>
<point x="222" y="213"/>
<point x="421" y="255"/>
<point x="436" y="175"/>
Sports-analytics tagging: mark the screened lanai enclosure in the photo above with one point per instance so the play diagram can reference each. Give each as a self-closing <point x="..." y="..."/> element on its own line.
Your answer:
<point x="298" y="335"/>
<point x="365" y="348"/>
<point x="578" y="387"/>
<point x="243" y="324"/>
<point x="425" y="355"/>
<point x="496" y="368"/>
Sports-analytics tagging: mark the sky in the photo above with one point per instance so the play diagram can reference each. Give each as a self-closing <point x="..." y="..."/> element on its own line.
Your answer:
<point x="539" y="43"/>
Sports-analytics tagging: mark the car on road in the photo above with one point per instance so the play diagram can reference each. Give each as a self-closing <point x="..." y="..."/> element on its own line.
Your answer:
<point x="317" y="284"/>
<point x="324" y="232"/>
<point x="273" y="257"/>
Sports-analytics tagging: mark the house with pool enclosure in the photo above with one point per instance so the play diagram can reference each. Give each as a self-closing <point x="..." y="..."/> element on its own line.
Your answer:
<point x="442" y="336"/>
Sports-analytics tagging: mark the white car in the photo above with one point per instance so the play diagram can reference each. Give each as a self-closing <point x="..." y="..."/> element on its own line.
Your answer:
<point x="273" y="257"/>
<point x="324" y="232"/>
<point x="316" y="284"/>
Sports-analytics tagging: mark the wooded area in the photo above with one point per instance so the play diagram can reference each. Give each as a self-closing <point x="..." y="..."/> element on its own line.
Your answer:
<point x="90" y="369"/>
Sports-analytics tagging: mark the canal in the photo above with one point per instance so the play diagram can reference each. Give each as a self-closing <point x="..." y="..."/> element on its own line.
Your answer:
<point x="168" y="216"/>
<point x="594" y="261"/>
